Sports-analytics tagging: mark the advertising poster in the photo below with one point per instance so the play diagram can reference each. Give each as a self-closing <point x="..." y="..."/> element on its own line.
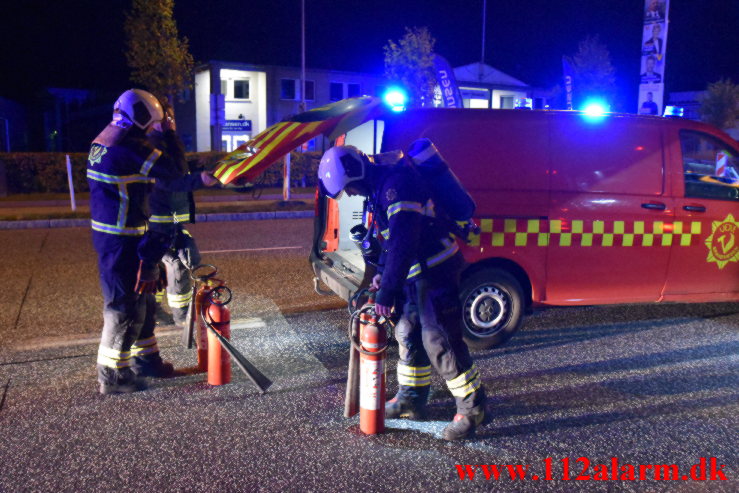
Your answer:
<point x="653" y="48"/>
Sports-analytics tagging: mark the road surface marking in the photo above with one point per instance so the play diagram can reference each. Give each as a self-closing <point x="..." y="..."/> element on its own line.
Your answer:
<point x="236" y="324"/>
<point x="253" y="249"/>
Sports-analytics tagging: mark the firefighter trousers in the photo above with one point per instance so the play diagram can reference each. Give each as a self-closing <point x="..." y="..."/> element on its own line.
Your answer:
<point x="429" y="333"/>
<point x="179" y="284"/>
<point x="127" y="337"/>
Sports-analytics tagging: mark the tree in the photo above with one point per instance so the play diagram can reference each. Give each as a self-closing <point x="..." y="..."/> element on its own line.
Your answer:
<point x="410" y="62"/>
<point x="719" y="105"/>
<point x="158" y="58"/>
<point x="594" y="75"/>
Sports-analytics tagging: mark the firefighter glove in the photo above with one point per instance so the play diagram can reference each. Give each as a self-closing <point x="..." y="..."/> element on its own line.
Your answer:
<point x="150" y="278"/>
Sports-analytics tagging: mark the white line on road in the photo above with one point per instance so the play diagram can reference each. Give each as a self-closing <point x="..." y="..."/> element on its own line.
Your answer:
<point x="46" y="343"/>
<point x="253" y="249"/>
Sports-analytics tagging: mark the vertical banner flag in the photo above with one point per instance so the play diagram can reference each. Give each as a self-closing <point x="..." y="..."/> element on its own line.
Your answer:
<point x="653" y="48"/>
<point x="567" y="72"/>
<point x="450" y="95"/>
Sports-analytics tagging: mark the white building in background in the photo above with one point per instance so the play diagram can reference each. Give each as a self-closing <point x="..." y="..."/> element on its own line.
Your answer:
<point x="246" y="99"/>
<point x="249" y="98"/>
<point x="483" y="86"/>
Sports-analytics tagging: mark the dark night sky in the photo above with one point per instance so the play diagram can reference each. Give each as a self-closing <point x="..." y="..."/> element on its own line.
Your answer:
<point x="79" y="43"/>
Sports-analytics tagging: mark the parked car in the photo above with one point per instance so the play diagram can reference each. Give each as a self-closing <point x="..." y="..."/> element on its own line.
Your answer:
<point x="572" y="209"/>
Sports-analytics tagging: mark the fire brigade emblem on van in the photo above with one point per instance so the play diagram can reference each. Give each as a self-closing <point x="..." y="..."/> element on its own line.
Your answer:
<point x="723" y="244"/>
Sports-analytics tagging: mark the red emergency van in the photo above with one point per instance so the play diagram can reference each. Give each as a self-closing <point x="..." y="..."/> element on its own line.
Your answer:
<point x="573" y="210"/>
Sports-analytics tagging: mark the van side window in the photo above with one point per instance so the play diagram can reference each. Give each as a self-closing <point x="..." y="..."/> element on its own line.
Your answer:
<point x="711" y="168"/>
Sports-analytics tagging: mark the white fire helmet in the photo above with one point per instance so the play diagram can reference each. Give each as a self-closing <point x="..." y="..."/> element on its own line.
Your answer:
<point x="137" y="107"/>
<point x="340" y="166"/>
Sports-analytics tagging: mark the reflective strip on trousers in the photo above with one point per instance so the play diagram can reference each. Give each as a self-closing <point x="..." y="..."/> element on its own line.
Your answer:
<point x="414" y="376"/>
<point x="465" y="384"/>
<point x="146" y="346"/>
<point x="113" y="358"/>
<point x="179" y="300"/>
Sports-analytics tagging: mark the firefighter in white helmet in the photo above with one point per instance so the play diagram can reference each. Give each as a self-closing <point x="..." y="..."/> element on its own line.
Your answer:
<point x="122" y="165"/>
<point x="418" y="275"/>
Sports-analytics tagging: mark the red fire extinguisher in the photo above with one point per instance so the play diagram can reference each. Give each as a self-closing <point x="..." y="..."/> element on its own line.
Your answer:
<point x="369" y="340"/>
<point x="208" y="307"/>
<point x="204" y="278"/>
<point x="372" y="364"/>
<point x="218" y="316"/>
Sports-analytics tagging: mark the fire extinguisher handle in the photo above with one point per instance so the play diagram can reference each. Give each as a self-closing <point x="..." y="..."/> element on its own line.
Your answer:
<point x="354" y="333"/>
<point x="202" y="277"/>
<point x="220" y="295"/>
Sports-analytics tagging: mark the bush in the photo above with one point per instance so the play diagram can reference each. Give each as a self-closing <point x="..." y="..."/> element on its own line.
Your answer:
<point x="46" y="172"/>
<point x="33" y="172"/>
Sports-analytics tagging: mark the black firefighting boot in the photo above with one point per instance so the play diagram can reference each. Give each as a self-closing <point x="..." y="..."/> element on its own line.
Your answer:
<point x="119" y="381"/>
<point x="470" y="415"/>
<point x="463" y="426"/>
<point x="152" y="365"/>
<point x="409" y="402"/>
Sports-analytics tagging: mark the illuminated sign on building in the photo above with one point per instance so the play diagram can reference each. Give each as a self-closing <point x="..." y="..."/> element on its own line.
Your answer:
<point x="237" y="126"/>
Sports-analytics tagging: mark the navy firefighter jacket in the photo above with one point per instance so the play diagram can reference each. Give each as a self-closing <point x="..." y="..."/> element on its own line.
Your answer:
<point x="169" y="209"/>
<point x="121" y="176"/>
<point x="416" y="239"/>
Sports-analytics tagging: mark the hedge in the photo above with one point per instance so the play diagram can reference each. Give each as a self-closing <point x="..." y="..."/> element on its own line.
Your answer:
<point x="46" y="172"/>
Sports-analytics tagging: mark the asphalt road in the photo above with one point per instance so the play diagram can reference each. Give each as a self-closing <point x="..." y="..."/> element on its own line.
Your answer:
<point x="642" y="384"/>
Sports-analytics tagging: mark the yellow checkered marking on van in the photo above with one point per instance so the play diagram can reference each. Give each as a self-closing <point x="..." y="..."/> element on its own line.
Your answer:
<point x="580" y="233"/>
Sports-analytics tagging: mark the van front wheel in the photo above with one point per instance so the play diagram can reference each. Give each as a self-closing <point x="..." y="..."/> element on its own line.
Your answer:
<point x="493" y="306"/>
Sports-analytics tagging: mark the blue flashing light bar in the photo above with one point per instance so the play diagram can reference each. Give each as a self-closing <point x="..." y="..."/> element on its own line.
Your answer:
<point x="595" y="110"/>
<point x="674" y="112"/>
<point x="396" y="98"/>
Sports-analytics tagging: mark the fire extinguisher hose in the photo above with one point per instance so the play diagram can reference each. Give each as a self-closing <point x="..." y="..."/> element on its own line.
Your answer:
<point x="251" y="371"/>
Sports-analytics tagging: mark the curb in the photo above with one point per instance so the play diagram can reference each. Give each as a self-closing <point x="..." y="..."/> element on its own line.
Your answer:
<point x="203" y="218"/>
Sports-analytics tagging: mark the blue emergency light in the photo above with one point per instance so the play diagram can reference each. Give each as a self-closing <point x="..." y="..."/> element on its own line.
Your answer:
<point x="595" y="110"/>
<point x="673" y="112"/>
<point x="396" y="98"/>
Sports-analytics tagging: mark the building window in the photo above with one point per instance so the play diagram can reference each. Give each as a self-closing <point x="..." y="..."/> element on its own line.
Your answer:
<point x="506" y="102"/>
<point x="224" y="87"/>
<point x="287" y="89"/>
<point x="352" y="90"/>
<point x="241" y="89"/>
<point x="336" y="91"/>
<point x="310" y="90"/>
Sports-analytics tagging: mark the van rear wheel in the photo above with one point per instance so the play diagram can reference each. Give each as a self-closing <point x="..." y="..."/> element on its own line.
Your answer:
<point x="493" y="307"/>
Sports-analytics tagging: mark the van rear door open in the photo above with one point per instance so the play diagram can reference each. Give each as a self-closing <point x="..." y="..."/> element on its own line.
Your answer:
<point x="608" y="211"/>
